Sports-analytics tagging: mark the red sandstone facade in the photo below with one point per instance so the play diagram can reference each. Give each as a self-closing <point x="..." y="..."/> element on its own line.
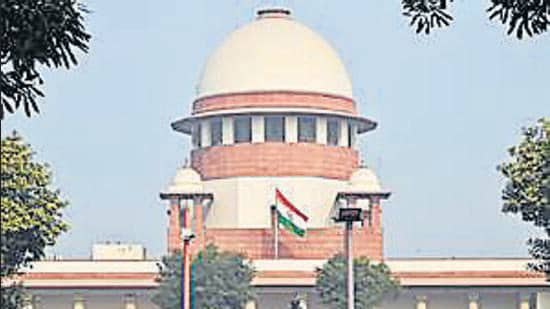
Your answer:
<point x="284" y="99"/>
<point x="318" y="243"/>
<point x="275" y="159"/>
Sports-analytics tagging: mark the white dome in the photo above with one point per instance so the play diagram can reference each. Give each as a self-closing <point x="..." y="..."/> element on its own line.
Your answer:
<point x="364" y="180"/>
<point x="274" y="52"/>
<point x="187" y="180"/>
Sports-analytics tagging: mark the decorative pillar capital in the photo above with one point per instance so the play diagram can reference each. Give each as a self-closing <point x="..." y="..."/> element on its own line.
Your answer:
<point x="473" y="300"/>
<point x="524" y="300"/>
<point x="374" y="199"/>
<point x="250" y="305"/>
<point x="421" y="302"/>
<point x="130" y="301"/>
<point x="78" y="302"/>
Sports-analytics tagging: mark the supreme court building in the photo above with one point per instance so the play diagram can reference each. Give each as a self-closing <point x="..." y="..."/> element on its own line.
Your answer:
<point x="275" y="109"/>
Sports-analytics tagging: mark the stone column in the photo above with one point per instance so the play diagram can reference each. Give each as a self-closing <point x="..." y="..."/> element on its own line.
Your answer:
<point x="421" y="302"/>
<point x="174" y="232"/>
<point x="250" y="305"/>
<point x="375" y="213"/>
<point x="291" y="129"/>
<point x="198" y="217"/>
<point x="343" y="138"/>
<point x="321" y="133"/>
<point x="130" y="302"/>
<point x="227" y="131"/>
<point x="258" y="129"/>
<point x="523" y="301"/>
<point x="473" y="301"/>
<point x="78" y="302"/>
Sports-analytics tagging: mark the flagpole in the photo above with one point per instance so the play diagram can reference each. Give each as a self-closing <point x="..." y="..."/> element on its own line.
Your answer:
<point x="276" y="234"/>
<point x="275" y="223"/>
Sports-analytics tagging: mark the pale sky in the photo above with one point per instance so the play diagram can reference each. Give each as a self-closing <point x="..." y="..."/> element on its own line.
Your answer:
<point x="448" y="106"/>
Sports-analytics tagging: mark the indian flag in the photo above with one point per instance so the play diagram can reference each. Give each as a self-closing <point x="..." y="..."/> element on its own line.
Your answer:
<point x="289" y="216"/>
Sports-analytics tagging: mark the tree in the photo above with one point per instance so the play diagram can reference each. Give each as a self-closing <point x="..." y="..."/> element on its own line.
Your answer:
<point x="372" y="281"/>
<point x="222" y="280"/>
<point x="36" y="34"/>
<point x="527" y="188"/>
<point x="531" y="17"/>
<point x="31" y="215"/>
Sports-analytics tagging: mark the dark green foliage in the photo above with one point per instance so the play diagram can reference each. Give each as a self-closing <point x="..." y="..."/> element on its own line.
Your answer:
<point x="12" y="297"/>
<point x="167" y="295"/>
<point x="427" y="14"/>
<point x="522" y="16"/>
<point x="527" y="190"/>
<point x="33" y="34"/>
<point x="373" y="282"/>
<point x="222" y="281"/>
<point x="531" y="17"/>
<point x="31" y="210"/>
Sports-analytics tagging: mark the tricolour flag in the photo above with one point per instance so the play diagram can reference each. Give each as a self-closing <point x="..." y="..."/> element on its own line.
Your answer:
<point x="289" y="216"/>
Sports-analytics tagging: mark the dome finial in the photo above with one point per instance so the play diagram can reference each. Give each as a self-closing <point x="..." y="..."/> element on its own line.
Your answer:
<point x="273" y="12"/>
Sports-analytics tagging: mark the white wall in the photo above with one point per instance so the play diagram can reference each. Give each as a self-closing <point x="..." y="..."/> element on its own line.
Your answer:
<point x="244" y="202"/>
<point x="543" y="300"/>
<point x="437" y="298"/>
<point x="275" y="298"/>
<point x="93" y="299"/>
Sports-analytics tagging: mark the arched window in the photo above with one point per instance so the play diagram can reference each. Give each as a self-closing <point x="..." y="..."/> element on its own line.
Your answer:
<point x="242" y="129"/>
<point x="307" y="129"/>
<point x="274" y="127"/>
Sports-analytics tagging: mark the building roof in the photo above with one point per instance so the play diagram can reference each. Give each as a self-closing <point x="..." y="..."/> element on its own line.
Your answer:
<point x="412" y="272"/>
<point x="274" y="53"/>
<point x="186" y="180"/>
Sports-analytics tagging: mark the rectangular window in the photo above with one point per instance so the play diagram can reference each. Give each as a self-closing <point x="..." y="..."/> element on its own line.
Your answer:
<point x="333" y="131"/>
<point x="242" y="129"/>
<point x="216" y="131"/>
<point x="307" y="129"/>
<point x="274" y="128"/>
<point x="196" y="137"/>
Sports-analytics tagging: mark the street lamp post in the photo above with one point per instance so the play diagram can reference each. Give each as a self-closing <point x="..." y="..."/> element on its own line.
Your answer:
<point x="185" y="300"/>
<point x="186" y="235"/>
<point x="185" y="186"/>
<point x="349" y="216"/>
<point x="349" y="256"/>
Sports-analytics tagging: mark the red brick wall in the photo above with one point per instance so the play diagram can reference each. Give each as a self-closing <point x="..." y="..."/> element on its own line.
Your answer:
<point x="275" y="159"/>
<point x="174" y="234"/>
<point x="274" y="99"/>
<point x="318" y="243"/>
